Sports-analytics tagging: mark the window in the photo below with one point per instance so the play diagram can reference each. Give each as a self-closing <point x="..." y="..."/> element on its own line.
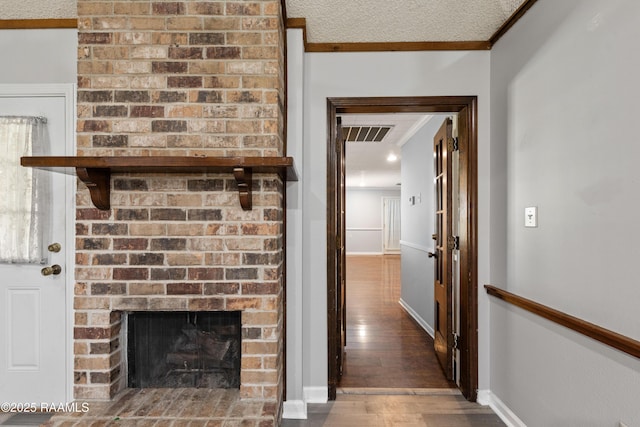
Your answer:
<point x="24" y="191"/>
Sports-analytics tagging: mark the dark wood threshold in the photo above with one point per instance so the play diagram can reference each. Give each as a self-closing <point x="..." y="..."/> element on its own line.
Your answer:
<point x="598" y="333"/>
<point x="96" y="172"/>
<point x="34" y="24"/>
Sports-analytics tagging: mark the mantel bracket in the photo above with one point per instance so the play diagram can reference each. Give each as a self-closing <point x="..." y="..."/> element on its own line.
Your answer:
<point x="98" y="181"/>
<point x="96" y="171"/>
<point x="243" y="178"/>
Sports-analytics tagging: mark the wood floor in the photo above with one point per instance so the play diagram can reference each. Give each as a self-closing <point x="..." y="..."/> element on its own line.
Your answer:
<point x="433" y="408"/>
<point x="392" y="377"/>
<point x="385" y="347"/>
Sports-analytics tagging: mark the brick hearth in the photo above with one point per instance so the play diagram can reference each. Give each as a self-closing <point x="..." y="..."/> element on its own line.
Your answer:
<point x="180" y="79"/>
<point x="171" y="408"/>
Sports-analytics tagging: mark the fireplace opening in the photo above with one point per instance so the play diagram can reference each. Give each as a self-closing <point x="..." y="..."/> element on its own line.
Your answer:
<point x="183" y="349"/>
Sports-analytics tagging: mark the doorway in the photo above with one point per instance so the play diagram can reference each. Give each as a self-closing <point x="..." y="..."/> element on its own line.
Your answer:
<point x="463" y="106"/>
<point x="36" y="364"/>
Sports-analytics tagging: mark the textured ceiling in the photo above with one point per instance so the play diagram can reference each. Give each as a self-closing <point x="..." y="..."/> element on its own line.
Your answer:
<point x="353" y="21"/>
<point x="350" y="21"/>
<point x="38" y="9"/>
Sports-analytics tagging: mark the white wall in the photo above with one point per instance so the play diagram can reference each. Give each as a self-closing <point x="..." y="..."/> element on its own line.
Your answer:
<point x="364" y="75"/>
<point x="565" y="87"/>
<point x="39" y="56"/>
<point x="364" y="221"/>
<point x="418" y="224"/>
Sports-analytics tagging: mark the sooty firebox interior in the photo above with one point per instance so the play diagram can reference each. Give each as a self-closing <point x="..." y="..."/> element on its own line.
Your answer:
<point x="184" y="349"/>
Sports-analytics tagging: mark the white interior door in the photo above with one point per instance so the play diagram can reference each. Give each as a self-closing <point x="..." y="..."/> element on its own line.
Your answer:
<point x="391" y="225"/>
<point x="35" y="310"/>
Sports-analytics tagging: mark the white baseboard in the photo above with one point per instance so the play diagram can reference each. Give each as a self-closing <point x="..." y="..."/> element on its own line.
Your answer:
<point x="297" y="409"/>
<point x="294" y="410"/>
<point x="428" y="329"/>
<point x="486" y="397"/>
<point x="316" y="394"/>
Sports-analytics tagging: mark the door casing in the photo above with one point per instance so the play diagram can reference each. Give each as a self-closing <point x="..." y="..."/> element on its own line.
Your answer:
<point x="468" y="342"/>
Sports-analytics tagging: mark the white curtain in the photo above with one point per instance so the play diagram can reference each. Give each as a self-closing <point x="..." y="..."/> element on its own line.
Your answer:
<point x="24" y="191"/>
<point x="392" y="224"/>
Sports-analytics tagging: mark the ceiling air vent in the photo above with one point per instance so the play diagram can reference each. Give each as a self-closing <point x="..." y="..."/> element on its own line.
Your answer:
<point x="365" y="133"/>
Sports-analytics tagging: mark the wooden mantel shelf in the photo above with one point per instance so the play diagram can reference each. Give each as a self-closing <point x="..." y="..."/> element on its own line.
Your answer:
<point x="96" y="172"/>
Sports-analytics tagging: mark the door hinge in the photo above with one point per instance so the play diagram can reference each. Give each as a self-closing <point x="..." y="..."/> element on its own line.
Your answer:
<point x="453" y="243"/>
<point x="456" y="339"/>
<point x="452" y="144"/>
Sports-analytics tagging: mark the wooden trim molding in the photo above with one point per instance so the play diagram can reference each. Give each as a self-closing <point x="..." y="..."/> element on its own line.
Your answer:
<point x="34" y="24"/>
<point x="301" y="23"/>
<point x="598" y="333"/>
<point x="466" y="105"/>
<point x="519" y="13"/>
<point x="396" y="46"/>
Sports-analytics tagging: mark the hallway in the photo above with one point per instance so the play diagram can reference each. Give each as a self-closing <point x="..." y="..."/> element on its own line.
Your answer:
<point x="385" y="347"/>
<point x="391" y="374"/>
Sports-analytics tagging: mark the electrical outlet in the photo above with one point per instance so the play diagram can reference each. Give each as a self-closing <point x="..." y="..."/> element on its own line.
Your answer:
<point x="531" y="216"/>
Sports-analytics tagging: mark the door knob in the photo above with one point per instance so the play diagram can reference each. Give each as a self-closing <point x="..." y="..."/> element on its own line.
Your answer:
<point x="55" y="269"/>
<point x="54" y="247"/>
<point x="432" y="255"/>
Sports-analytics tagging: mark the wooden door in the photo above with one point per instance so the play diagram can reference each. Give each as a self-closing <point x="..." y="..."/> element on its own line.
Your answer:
<point x="336" y="262"/>
<point x="443" y="328"/>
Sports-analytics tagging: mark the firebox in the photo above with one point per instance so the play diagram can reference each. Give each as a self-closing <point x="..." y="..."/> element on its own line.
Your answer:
<point x="183" y="349"/>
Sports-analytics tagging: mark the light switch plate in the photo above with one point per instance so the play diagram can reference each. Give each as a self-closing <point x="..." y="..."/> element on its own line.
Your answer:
<point x="531" y="216"/>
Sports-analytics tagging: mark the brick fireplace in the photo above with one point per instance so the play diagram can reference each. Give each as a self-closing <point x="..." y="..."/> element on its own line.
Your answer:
<point x="180" y="79"/>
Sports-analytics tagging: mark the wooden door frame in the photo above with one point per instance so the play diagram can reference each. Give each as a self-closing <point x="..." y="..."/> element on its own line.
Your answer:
<point x="468" y="342"/>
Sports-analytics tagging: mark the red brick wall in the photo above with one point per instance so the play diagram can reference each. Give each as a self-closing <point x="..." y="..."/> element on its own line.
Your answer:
<point x="182" y="79"/>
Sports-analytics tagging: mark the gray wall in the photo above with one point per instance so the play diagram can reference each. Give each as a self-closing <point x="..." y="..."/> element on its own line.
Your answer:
<point x="39" y="56"/>
<point x="418" y="224"/>
<point x="564" y="99"/>
<point x="364" y="221"/>
<point x="368" y="75"/>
